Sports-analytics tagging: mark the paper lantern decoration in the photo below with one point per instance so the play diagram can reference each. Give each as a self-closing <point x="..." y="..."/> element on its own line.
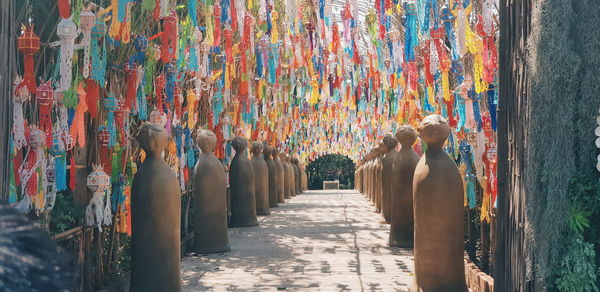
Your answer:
<point x="87" y="22"/>
<point x="67" y="33"/>
<point x="45" y="97"/>
<point x="21" y="95"/>
<point x="95" y="214"/>
<point x="28" y="44"/>
<point x="98" y="180"/>
<point x="111" y="104"/>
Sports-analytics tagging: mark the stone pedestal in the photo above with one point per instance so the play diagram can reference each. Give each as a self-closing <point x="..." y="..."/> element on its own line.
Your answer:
<point x="155" y="218"/>
<point x="210" y="199"/>
<point x="241" y="184"/>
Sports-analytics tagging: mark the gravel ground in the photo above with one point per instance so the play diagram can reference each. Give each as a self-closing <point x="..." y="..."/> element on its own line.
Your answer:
<point x="318" y="241"/>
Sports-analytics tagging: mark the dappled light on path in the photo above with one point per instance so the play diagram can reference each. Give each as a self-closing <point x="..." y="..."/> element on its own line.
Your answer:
<point x="319" y="241"/>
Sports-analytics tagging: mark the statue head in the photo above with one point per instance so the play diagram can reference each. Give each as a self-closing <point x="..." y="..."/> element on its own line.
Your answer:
<point x="256" y="148"/>
<point x="434" y="130"/>
<point x="381" y="149"/>
<point x="239" y="144"/>
<point x="406" y="135"/>
<point x="153" y="139"/>
<point x="206" y="140"/>
<point x="268" y="152"/>
<point x="275" y="152"/>
<point x="390" y="142"/>
<point x="295" y="160"/>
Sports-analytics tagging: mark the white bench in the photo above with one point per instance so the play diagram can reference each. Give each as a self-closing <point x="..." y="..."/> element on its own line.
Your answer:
<point x="331" y="185"/>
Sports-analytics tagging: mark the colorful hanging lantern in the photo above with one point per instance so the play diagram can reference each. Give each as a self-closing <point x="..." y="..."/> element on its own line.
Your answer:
<point x="96" y="213"/>
<point x="111" y="104"/>
<point x="87" y="22"/>
<point x="67" y="33"/>
<point x="29" y="44"/>
<point x="45" y="97"/>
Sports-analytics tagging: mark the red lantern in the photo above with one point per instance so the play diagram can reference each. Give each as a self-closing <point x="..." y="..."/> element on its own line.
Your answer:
<point x="29" y="44"/>
<point x="45" y="97"/>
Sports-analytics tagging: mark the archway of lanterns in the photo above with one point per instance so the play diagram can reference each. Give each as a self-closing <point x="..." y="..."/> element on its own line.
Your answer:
<point x="308" y="77"/>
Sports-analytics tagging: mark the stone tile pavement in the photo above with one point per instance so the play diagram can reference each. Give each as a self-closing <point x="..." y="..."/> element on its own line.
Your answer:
<point x="318" y="241"/>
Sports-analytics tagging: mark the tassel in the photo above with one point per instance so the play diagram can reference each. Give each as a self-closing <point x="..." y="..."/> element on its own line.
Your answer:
<point x="411" y="40"/>
<point x="170" y="82"/>
<point x="131" y="85"/>
<point x="99" y="58"/>
<point x="160" y="84"/>
<point x="217" y="27"/>
<point x="60" y="164"/>
<point x="18" y="130"/>
<point x="471" y="198"/>
<point x="12" y="194"/>
<point x="492" y="104"/>
<point x="462" y="115"/>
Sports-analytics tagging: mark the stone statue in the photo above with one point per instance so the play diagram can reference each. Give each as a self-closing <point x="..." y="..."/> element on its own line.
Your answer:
<point x="438" y="196"/>
<point x="292" y="176"/>
<point x="280" y="176"/>
<point x="304" y="178"/>
<point x="261" y="179"/>
<point x="210" y="198"/>
<point x="402" y="228"/>
<point x="387" y="164"/>
<point x="297" y="178"/>
<point x="377" y="177"/>
<point x="273" y="176"/>
<point x="287" y="174"/>
<point x="241" y="185"/>
<point x="155" y="218"/>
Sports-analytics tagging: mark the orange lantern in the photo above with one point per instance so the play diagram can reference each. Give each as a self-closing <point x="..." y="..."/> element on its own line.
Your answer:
<point x="29" y="44"/>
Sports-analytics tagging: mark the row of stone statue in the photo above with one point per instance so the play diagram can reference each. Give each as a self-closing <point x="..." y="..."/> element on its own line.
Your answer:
<point x="423" y="200"/>
<point x="255" y="186"/>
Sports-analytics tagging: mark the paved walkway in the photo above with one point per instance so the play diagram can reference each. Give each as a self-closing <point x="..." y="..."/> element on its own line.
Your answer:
<point x="319" y="241"/>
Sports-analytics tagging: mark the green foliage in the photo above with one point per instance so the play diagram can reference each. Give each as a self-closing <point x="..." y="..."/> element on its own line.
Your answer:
<point x="66" y="214"/>
<point x="578" y="219"/>
<point x="577" y="271"/>
<point x="577" y="268"/>
<point x="331" y="167"/>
